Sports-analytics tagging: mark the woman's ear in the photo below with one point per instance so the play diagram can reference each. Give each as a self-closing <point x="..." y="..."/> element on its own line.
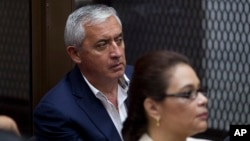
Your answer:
<point x="152" y="108"/>
<point x="73" y="52"/>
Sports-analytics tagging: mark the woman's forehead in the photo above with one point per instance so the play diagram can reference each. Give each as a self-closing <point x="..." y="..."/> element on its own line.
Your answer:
<point x="183" y="75"/>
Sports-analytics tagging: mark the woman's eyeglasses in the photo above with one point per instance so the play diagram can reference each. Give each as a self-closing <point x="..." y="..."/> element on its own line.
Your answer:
<point x="188" y="95"/>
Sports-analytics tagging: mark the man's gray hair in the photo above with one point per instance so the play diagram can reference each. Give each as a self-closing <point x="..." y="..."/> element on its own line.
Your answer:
<point x="74" y="33"/>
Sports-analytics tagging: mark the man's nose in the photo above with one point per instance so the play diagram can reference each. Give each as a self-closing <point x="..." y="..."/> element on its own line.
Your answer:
<point x="115" y="50"/>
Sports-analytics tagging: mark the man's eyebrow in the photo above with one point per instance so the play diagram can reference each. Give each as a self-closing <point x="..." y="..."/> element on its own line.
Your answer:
<point x="119" y="35"/>
<point x="102" y="40"/>
<point x="107" y="38"/>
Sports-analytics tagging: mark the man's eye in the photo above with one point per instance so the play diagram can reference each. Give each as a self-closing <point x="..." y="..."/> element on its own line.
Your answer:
<point x="101" y="45"/>
<point x="119" y="40"/>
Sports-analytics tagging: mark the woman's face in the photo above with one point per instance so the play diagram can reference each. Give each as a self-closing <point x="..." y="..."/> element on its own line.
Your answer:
<point x="186" y="116"/>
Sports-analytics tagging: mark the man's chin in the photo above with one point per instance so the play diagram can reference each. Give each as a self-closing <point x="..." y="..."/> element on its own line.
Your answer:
<point x="118" y="74"/>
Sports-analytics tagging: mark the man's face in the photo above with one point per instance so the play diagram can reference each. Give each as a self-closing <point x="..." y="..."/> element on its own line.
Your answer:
<point x="102" y="54"/>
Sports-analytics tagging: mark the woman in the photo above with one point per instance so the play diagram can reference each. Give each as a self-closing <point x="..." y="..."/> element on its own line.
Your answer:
<point x="166" y="100"/>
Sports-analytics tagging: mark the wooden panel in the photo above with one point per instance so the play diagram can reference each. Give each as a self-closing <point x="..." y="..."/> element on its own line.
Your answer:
<point x="57" y="60"/>
<point x="49" y="59"/>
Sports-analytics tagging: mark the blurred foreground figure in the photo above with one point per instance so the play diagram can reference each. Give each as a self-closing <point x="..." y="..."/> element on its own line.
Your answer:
<point x="8" y="129"/>
<point x="9" y="124"/>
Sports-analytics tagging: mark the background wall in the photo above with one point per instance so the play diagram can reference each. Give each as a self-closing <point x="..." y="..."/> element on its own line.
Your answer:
<point x="214" y="34"/>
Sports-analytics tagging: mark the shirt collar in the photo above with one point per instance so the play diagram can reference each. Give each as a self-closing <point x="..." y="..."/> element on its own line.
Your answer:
<point x="123" y="82"/>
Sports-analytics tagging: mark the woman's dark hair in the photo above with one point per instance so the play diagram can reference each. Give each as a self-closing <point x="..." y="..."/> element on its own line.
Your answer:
<point x="150" y="79"/>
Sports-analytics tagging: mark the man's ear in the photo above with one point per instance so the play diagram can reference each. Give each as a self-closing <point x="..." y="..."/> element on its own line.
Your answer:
<point x="73" y="52"/>
<point x="152" y="108"/>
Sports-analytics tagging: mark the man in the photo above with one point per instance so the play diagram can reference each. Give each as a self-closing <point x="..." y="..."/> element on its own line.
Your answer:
<point x="9" y="130"/>
<point x="88" y="104"/>
<point x="9" y="124"/>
